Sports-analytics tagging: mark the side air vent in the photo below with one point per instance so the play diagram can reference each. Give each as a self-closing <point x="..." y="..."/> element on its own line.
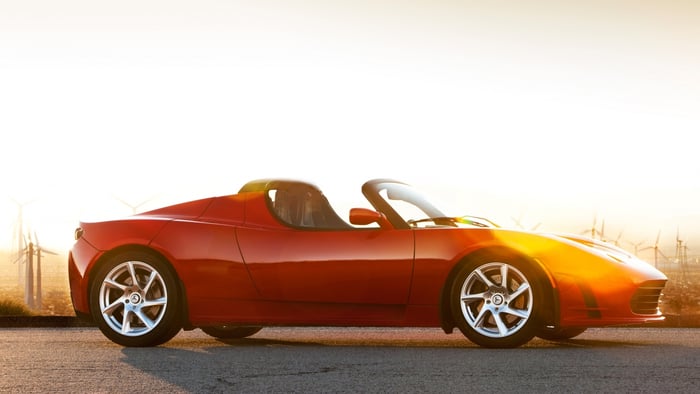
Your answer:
<point x="645" y="300"/>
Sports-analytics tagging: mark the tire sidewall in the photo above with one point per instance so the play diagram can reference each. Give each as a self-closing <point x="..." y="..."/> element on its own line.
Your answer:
<point x="170" y="323"/>
<point x="230" y="332"/>
<point x="533" y="323"/>
<point x="560" y="334"/>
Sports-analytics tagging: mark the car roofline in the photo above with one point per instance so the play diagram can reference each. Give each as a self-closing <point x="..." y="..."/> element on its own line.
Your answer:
<point x="266" y="184"/>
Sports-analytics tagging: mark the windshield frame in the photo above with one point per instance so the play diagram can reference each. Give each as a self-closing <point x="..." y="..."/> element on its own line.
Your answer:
<point x="384" y="194"/>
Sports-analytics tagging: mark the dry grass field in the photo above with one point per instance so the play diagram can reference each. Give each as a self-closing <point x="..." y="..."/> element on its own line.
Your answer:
<point x="55" y="297"/>
<point x="681" y="300"/>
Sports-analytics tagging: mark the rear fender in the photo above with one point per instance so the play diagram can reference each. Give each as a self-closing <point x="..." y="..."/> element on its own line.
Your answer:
<point x="184" y="311"/>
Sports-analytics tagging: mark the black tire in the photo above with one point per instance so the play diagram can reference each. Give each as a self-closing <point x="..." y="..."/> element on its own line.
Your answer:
<point x="494" y="314"/>
<point x="560" y="334"/>
<point x="230" y="332"/>
<point x="135" y="300"/>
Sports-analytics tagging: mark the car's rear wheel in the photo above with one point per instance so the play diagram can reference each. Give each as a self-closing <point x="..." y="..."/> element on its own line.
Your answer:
<point x="560" y="333"/>
<point x="496" y="302"/>
<point x="134" y="300"/>
<point x="230" y="332"/>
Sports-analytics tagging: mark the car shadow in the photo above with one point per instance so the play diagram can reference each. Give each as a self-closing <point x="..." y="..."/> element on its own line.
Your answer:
<point x="230" y="365"/>
<point x="258" y="342"/>
<point x="203" y="364"/>
<point x="592" y="343"/>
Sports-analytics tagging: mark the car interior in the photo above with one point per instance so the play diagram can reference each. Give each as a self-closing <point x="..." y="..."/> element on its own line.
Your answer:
<point x="305" y="207"/>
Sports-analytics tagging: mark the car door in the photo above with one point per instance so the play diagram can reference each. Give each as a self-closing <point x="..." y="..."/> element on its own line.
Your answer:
<point x="354" y="266"/>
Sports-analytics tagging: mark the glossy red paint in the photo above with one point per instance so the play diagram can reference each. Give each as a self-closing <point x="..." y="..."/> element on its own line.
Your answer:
<point x="238" y="262"/>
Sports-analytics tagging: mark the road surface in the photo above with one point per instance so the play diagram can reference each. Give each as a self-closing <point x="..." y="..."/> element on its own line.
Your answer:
<point x="350" y="360"/>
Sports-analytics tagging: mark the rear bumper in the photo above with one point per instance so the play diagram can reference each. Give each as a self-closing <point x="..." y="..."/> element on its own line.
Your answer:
<point x="80" y="258"/>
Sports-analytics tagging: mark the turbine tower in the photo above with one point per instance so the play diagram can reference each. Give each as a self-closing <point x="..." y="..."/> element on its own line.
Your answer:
<point x="29" y="281"/>
<point x="681" y="257"/>
<point x="594" y="232"/>
<point x="636" y="246"/>
<point x="657" y="251"/>
<point x="616" y="242"/>
<point x="38" y="250"/>
<point x="19" y="239"/>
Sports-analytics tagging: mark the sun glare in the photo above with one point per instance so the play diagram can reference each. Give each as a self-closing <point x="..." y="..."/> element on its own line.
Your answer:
<point x="498" y="111"/>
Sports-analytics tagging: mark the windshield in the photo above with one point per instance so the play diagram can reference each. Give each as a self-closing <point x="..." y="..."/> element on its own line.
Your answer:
<point x="417" y="210"/>
<point x="406" y="207"/>
<point x="409" y="203"/>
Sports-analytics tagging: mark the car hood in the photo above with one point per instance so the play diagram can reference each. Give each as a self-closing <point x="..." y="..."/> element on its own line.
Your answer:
<point x="610" y="252"/>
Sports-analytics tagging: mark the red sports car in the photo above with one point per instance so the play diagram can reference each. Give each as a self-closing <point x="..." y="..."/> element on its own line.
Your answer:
<point x="277" y="254"/>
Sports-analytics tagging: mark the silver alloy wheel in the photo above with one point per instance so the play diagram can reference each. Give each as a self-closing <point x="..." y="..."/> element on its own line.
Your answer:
<point x="133" y="298"/>
<point x="496" y="300"/>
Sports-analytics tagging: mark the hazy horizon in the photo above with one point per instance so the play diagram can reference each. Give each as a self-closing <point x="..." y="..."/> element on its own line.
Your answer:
<point x="555" y="112"/>
<point x="55" y="230"/>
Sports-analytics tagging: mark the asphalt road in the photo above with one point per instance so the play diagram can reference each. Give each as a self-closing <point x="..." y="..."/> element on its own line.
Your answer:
<point x="353" y="360"/>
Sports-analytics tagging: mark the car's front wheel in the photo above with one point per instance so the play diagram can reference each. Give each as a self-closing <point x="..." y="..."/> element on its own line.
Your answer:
<point x="230" y="332"/>
<point x="134" y="300"/>
<point x="496" y="302"/>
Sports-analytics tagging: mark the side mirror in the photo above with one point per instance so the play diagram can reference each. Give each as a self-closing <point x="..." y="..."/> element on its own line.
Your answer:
<point x="364" y="216"/>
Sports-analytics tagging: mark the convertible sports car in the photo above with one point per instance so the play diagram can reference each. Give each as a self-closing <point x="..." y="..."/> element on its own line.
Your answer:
<point x="277" y="254"/>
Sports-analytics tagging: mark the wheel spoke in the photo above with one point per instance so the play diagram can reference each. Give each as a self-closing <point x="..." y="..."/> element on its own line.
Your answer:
<point x="504" y="275"/>
<point x="132" y="272"/>
<point x="521" y="313"/>
<point x="157" y="302"/>
<point x="469" y="298"/>
<point x="481" y="317"/>
<point x="484" y="278"/>
<point x="502" y="328"/>
<point x="145" y="319"/>
<point x="151" y="280"/>
<point x="110" y="282"/>
<point x="109" y="309"/>
<point x="520" y="290"/>
<point x="126" y="326"/>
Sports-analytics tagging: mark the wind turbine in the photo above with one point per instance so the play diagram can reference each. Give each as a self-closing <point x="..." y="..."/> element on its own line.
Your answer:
<point x="681" y="256"/>
<point x="519" y="222"/>
<point x="134" y="207"/>
<point x="594" y="231"/>
<point x="616" y="242"/>
<point x="636" y="247"/>
<point x="657" y="251"/>
<point x="38" y="250"/>
<point x="26" y="256"/>
<point x="19" y="237"/>
<point x="29" y="280"/>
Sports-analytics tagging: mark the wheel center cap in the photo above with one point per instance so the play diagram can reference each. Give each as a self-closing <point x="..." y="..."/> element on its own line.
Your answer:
<point x="497" y="299"/>
<point x="135" y="298"/>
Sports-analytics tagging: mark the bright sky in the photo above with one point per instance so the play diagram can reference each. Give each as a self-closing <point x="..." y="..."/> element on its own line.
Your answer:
<point x="555" y="111"/>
